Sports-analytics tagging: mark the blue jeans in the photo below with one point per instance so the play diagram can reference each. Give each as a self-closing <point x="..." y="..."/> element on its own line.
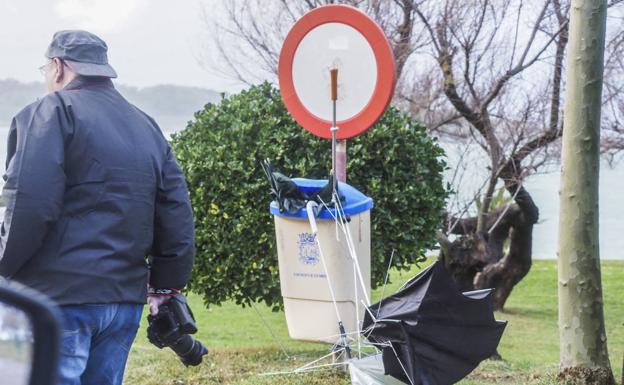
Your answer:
<point x="96" y="340"/>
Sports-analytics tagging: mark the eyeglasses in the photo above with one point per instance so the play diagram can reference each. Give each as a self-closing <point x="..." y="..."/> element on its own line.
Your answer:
<point x="43" y="69"/>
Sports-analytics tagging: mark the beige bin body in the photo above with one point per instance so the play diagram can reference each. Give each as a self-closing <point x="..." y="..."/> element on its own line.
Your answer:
<point x="310" y="313"/>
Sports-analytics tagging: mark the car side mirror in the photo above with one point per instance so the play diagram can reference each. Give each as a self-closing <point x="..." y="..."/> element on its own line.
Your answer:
<point x="29" y="336"/>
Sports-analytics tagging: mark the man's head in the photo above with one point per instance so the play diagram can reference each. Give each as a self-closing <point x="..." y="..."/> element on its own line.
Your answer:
<point x="57" y="74"/>
<point x="75" y="53"/>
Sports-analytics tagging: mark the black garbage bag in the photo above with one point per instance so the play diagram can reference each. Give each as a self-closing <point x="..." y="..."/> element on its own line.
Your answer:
<point x="290" y="198"/>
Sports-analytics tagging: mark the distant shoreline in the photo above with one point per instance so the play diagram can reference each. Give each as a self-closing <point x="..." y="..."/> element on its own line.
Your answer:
<point x="544" y="190"/>
<point x="170" y="105"/>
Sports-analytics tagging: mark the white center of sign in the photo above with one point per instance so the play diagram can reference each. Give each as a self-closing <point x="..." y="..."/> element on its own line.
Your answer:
<point x="334" y="45"/>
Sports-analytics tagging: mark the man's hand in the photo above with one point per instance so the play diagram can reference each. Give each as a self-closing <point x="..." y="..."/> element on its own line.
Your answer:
<point x="155" y="300"/>
<point x="156" y="297"/>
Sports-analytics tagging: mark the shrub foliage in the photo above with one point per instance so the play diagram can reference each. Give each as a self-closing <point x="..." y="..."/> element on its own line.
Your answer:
<point x="395" y="162"/>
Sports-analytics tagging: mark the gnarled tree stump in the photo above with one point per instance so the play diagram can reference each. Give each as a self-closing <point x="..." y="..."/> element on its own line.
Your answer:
<point x="478" y="260"/>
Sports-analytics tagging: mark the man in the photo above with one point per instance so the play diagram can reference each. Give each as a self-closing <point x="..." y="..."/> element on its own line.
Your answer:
<point x="94" y="198"/>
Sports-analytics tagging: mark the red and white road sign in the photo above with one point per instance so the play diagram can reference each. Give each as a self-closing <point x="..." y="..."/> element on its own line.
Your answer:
<point x="342" y="37"/>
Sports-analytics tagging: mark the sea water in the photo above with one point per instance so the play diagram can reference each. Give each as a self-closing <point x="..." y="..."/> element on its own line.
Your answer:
<point x="544" y="188"/>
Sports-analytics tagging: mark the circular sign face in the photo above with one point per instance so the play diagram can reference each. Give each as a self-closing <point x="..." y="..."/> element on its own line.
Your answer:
<point x="343" y="38"/>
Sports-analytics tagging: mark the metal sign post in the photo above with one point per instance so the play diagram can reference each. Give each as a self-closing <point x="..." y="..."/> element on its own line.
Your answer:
<point x="339" y="148"/>
<point x="341" y="160"/>
<point x="334" y="129"/>
<point x="340" y="51"/>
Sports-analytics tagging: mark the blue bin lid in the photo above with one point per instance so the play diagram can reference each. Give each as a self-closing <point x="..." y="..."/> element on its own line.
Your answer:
<point x="355" y="201"/>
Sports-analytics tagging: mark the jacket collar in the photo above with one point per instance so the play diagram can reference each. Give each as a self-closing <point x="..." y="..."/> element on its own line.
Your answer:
<point x="88" y="82"/>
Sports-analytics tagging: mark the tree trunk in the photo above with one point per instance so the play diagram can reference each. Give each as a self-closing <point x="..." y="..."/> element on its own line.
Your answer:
<point x="516" y="224"/>
<point x="584" y="357"/>
<point x="478" y="261"/>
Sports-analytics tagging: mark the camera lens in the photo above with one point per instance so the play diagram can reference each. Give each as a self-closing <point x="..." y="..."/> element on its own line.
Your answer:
<point x="189" y="350"/>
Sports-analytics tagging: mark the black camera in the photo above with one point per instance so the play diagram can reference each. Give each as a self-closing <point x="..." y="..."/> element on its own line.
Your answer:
<point x="171" y="328"/>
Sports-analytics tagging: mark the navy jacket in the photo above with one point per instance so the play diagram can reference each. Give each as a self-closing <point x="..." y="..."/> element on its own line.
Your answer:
<point x="93" y="197"/>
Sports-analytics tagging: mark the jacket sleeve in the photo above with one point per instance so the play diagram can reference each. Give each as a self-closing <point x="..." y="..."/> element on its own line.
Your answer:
<point x="173" y="250"/>
<point x="34" y="182"/>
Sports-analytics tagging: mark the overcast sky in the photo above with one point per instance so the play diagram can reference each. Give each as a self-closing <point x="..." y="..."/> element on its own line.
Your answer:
<point x="150" y="41"/>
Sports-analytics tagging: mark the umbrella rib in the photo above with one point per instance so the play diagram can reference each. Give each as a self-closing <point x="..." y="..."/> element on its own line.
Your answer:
<point x="339" y="219"/>
<point x="314" y="368"/>
<point x="338" y="335"/>
<point x="331" y="288"/>
<point x="383" y="290"/>
<point x="372" y="316"/>
<point x="357" y="313"/>
<point x="299" y="371"/>
<point x="301" y="368"/>
<point x="279" y="343"/>
<point x="400" y="363"/>
<point x="307" y="367"/>
<point x="350" y="246"/>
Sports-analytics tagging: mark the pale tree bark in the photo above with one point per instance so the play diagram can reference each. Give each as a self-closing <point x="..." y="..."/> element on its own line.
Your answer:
<point x="584" y="358"/>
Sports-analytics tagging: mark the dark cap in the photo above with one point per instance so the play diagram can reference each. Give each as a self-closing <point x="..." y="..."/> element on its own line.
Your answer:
<point x="83" y="52"/>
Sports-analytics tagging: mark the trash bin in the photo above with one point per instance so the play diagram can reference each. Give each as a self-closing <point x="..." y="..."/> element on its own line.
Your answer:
<point x="310" y="313"/>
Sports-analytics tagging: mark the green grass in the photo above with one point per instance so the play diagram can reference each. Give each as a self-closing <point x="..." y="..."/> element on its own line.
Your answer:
<point x="241" y="347"/>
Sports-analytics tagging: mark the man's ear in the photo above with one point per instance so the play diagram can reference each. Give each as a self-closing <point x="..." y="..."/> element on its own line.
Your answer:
<point x="59" y="73"/>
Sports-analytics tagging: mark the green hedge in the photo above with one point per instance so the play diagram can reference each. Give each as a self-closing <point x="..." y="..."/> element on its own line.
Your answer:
<point x="394" y="162"/>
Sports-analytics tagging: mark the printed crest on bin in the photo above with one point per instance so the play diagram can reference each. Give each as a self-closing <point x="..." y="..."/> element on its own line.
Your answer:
<point x="308" y="249"/>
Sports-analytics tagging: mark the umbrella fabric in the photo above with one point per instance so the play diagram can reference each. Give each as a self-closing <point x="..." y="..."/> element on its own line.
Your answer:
<point x="430" y="332"/>
<point x="370" y="371"/>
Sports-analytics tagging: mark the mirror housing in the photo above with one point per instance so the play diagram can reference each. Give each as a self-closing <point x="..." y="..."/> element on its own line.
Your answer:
<point x="45" y="318"/>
